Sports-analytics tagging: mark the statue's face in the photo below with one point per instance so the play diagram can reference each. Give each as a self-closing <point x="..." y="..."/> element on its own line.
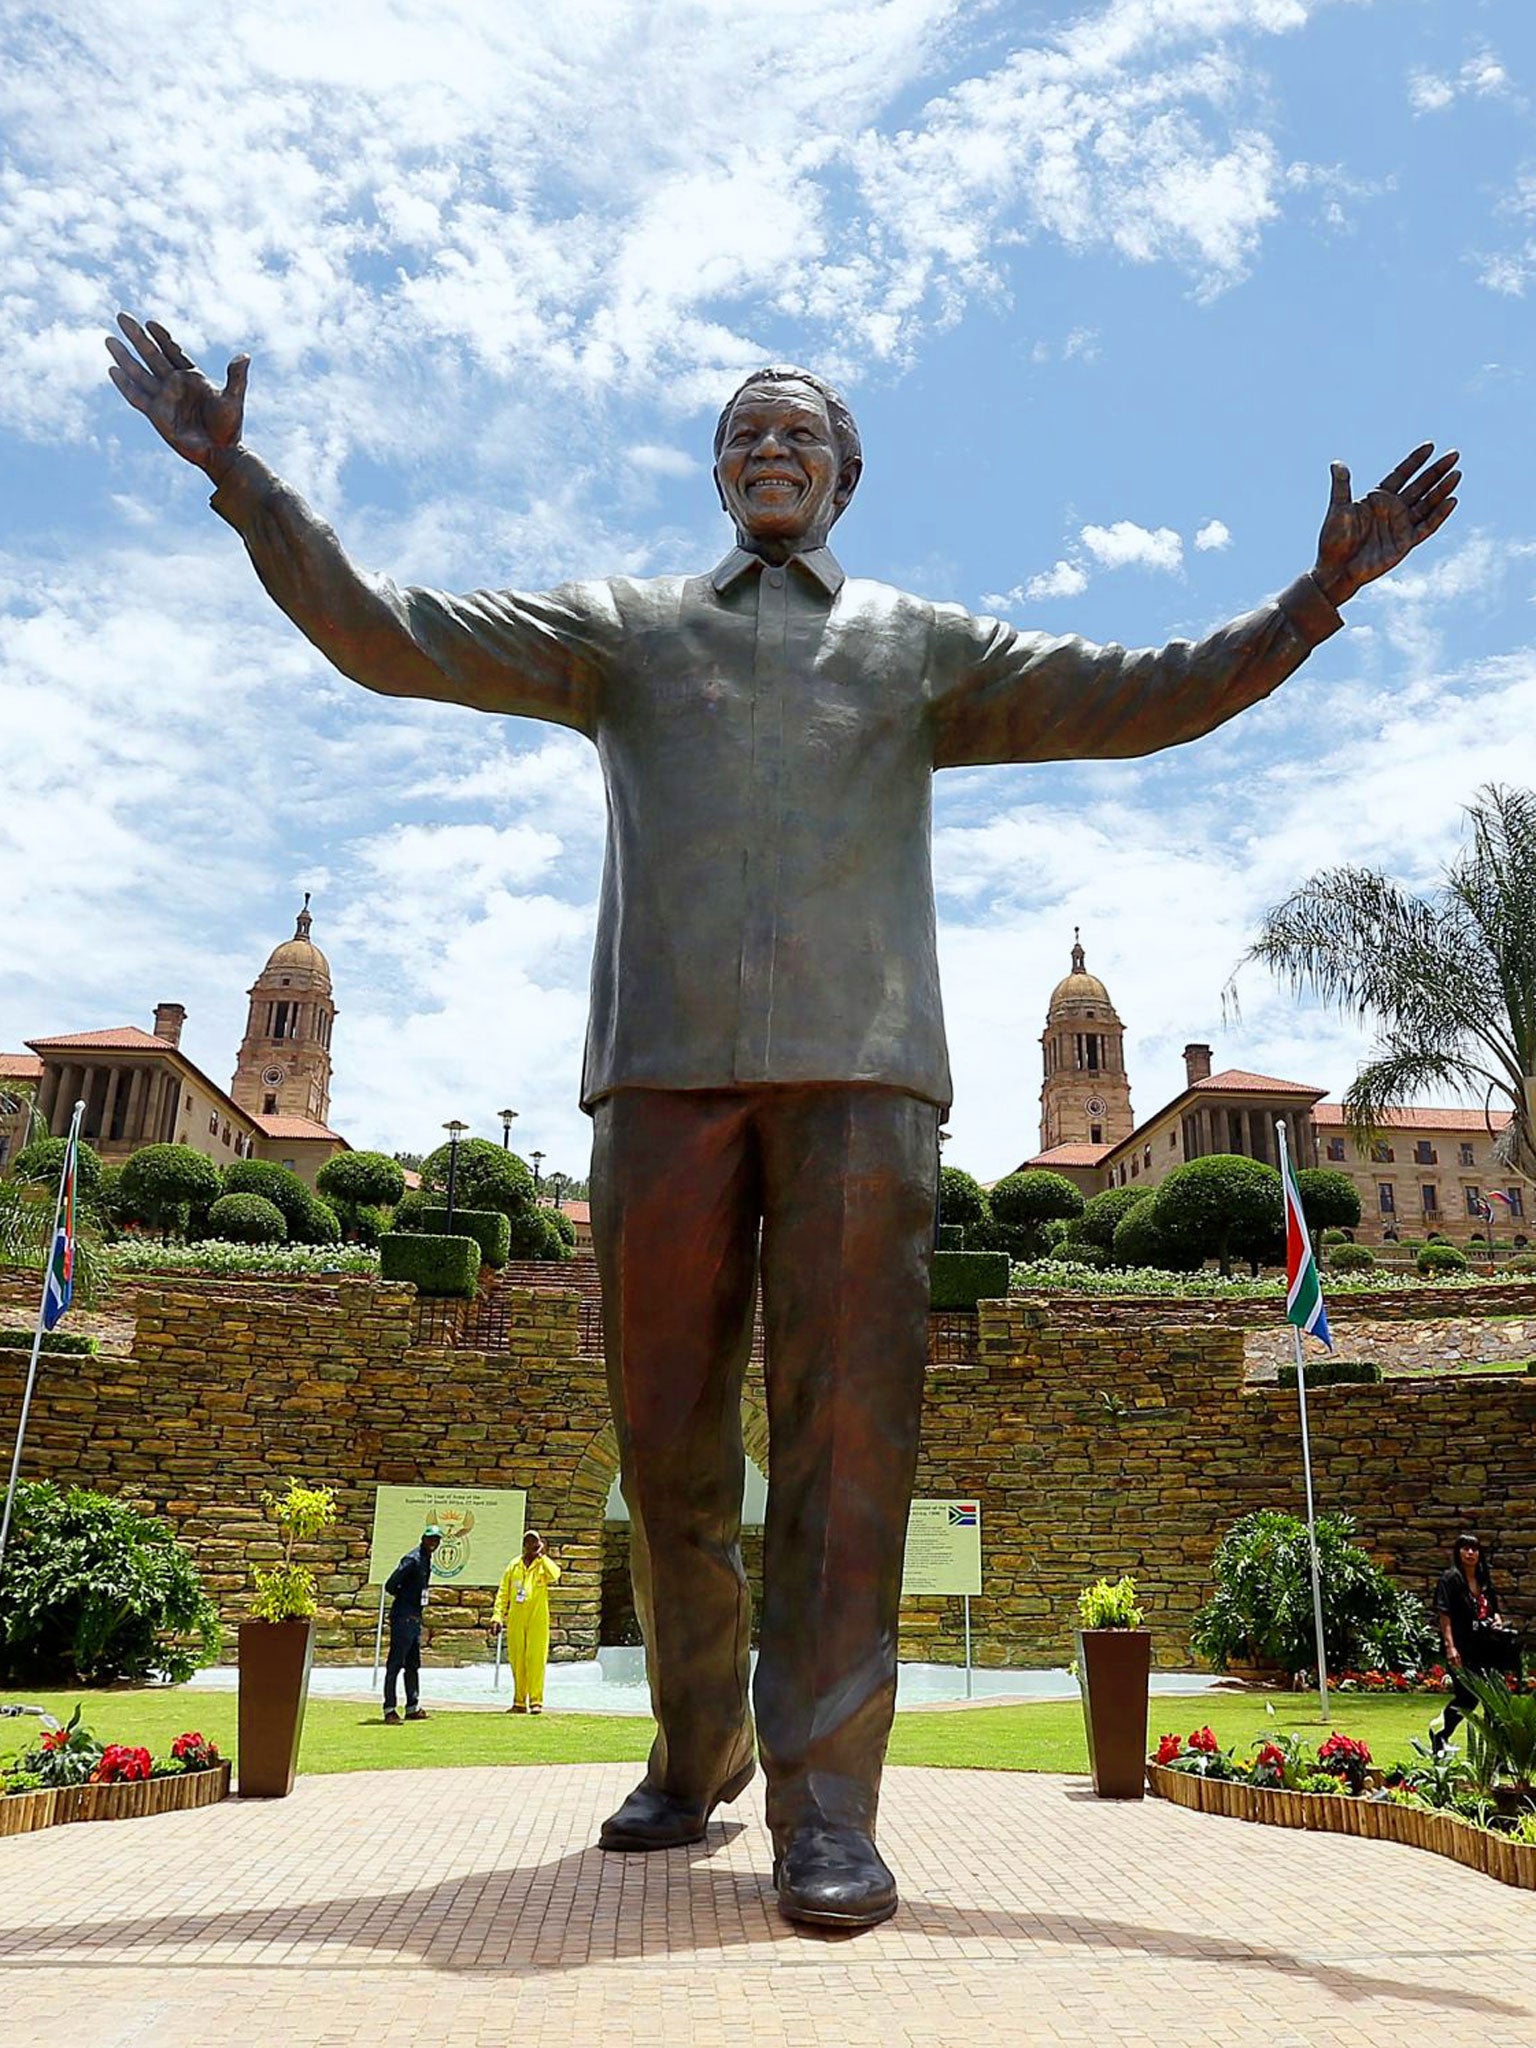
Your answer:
<point x="778" y="467"/>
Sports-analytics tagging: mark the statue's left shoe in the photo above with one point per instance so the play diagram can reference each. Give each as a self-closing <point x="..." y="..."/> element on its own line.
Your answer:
<point x="833" y="1877"/>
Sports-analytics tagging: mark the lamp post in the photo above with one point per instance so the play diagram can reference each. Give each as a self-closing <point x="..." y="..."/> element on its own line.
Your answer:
<point x="538" y="1161"/>
<point x="453" y="1129"/>
<point x="508" y="1118"/>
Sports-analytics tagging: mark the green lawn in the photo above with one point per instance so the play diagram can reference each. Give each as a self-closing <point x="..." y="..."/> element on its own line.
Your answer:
<point x="344" y="1735"/>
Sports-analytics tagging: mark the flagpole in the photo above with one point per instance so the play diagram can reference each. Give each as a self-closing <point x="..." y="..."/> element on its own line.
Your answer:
<point x="1306" y="1468"/>
<point x="37" y="1335"/>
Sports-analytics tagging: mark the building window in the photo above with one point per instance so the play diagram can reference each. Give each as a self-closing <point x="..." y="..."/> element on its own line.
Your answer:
<point x="213" y="1123"/>
<point x="1386" y="1201"/>
<point x="1135" y="1165"/>
<point x="1431" y="1198"/>
<point x="1147" y="1160"/>
<point x="1468" y="1156"/>
<point x="1516" y="1202"/>
<point x="1173" y="1141"/>
<point x="1096" y="1134"/>
<point x="1424" y="1154"/>
<point x="1336" y="1148"/>
<point x="269" y="1105"/>
<point x="224" y="1135"/>
<point x="1382" y="1155"/>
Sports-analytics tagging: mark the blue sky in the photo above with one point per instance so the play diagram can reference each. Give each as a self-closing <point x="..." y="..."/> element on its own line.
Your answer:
<point x="1108" y="287"/>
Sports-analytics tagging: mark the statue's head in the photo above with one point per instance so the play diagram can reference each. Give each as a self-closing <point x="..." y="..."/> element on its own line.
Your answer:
<point x="787" y="458"/>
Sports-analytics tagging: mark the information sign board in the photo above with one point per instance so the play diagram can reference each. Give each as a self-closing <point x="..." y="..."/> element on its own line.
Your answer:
<point x="482" y="1530"/>
<point x="943" y="1547"/>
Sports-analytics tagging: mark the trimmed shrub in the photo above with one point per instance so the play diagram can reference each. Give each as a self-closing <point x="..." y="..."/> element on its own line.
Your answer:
<point x="961" y="1279"/>
<point x="1102" y="1213"/>
<point x="361" y="1180"/>
<point x="951" y="1237"/>
<point x="435" y="1265"/>
<point x="1070" y="1253"/>
<point x="95" y="1591"/>
<point x="565" y="1229"/>
<point x="1023" y="1208"/>
<point x="488" y="1227"/>
<point x="247" y="1219"/>
<point x="1441" y="1258"/>
<point x="487" y="1176"/>
<point x="43" y="1160"/>
<point x="1525" y="1263"/>
<point x="1335" y="1372"/>
<point x="408" y="1209"/>
<point x="1337" y="1237"/>
<point x="169" y="1187"/>
<point x="1221" y="1207"/>
<point x="962" y="1199"/>
<point x="1140" y="1241"/>
<point x="53" y="1340"/>
<point x="1352" y="1258"/>
<point x="1329" y="1198"/>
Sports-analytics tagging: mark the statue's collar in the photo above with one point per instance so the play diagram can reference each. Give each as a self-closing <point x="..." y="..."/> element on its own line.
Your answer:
<point x="818" y="563"/>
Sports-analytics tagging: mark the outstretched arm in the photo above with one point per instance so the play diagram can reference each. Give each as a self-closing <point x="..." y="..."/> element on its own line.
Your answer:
<point x="539" y="656"/>
<point x="1003" y="695"/>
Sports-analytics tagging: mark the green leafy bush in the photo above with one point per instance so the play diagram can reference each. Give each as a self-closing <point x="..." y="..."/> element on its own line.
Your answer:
<point x="435" y="1265"/>
<point x="1441" y="1258"/>
<point x="354" y="1181"/>
<point x="1329" y="1199"/>
<point x="490" y="1229"/>
<point x="1351" y="1258"/>
<point x="43" y="1161"/>
<point x="94" y="1591"/>
<point x="1141" y="1241"/>
<point x="951" y="1237"/>
<point x="1335" y="1372"/>
<point x="286" y="1591"/>
<point x="961" y="1279"/>
<point x="1522" y="1264"/>
<point x="309" y="1218"/>
<point x="61" y="1756"/>
<point x="247" y="1219"/>
<point x="1262" y="1607"/>
<point x="1222" y="1207"/>
<point x="1023" y="1208"/>
<point x="1087" y="1257"/>
<point x="53" y="1340"/>
<point x="486" y="1176"/>
<point x="1106" y="1605"/>
<point x="168" y="1187"/>
<point x="1501" y="1735"/>
<point x="962" y="1199"/>
<point x="1101" y="1213"/>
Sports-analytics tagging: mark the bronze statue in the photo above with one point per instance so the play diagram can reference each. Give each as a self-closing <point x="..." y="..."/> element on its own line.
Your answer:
<point x="765" y="1062"/>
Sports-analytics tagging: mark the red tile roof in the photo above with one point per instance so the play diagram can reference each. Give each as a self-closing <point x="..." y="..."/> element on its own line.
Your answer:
<point x="579" y="1212"/>
<point x="294" y="1127"/>
<point x="1069" y="1155"/>
<point x="1236" y="1081"/>
<point x="1330" y="1116"/>
<point x="120" y="1038"/>
<point x="20" y="1066"/>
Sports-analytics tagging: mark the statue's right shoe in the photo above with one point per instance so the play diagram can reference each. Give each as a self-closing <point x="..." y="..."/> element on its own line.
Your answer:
<point x="653" y="1819"/>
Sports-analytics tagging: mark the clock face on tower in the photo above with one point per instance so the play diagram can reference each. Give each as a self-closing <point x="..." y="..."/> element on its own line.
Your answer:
<point x="272" y="1077"/>
<point x="1095" y="1107"/>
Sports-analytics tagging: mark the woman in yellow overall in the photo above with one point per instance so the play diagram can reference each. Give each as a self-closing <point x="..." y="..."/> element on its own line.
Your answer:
<point x="522" y="1609"/>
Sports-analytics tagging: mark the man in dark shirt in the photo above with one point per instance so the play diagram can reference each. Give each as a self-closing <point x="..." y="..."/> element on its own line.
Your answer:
<point x="765" y="1065"/>
<point x="409" y="1583"/>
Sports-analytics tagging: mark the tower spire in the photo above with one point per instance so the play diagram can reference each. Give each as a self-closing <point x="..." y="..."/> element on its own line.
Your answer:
<point x="303" y="921"/>
<point x="1079" y="957"/>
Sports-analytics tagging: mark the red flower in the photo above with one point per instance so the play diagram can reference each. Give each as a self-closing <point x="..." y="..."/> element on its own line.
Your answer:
<point x="55" y="1738"/>
<point x="121" y="1764"/>
<point x="1204" y="1741"/>
<point x="196" y="1753"/>
<point x="1168" y="1749"/>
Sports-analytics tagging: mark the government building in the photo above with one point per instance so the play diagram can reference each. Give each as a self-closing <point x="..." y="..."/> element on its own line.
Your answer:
<point x="1429" y="1169"/>
<point x="140" y="1088"/>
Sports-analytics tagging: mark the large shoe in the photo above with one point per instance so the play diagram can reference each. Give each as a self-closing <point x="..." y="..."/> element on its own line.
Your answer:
<point x="834" y="1877"/>
<point x="653" y="1819"/>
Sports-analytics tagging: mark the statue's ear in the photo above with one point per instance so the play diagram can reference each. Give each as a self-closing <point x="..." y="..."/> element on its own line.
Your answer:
<point x="847" y="484"/>
<point x="719" y="488"/>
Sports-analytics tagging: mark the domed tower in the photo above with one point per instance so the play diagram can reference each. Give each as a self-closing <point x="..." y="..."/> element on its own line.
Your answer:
<point x="1085" y="1098"/>
<point x="284" y="1067"/>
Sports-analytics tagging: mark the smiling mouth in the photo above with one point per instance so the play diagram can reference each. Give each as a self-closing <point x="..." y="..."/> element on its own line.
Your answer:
<point x="774" y="482"/>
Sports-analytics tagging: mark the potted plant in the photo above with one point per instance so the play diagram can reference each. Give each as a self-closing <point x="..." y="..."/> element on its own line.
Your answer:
<point x="1114" y="1662"/>
<point x="277" y="1647"/>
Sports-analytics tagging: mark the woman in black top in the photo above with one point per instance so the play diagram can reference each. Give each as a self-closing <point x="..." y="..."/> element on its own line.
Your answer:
<point x="1473" y="1631"/>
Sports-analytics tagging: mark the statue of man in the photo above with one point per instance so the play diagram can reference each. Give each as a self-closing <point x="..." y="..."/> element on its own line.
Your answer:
<point x="765" y="1063"/>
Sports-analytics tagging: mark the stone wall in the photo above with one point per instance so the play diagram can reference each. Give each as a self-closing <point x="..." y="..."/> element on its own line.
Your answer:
<point x="1125" y="1447"/>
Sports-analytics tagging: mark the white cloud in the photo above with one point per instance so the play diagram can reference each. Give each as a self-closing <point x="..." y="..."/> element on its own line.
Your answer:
<point x="1482" y="76"/>
<point x="1125" y="545"/>
<point x="1064" y="579"/>
<point x="1213" y="535"/>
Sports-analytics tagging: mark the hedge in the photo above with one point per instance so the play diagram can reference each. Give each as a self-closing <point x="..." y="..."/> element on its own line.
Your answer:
<point x="961" y="1279"/>
<point x="436" y="1265"/>
<point x="53" y="1340"/>
<point x="951" y="1237"/>
<point x="1335" y="1372"/>
<point x="490" y="1229"/>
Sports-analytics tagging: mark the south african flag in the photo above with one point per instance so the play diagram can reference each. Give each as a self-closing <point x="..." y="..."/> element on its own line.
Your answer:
<point x="1303" y="1290"/>
<point x="59" y="1287"/>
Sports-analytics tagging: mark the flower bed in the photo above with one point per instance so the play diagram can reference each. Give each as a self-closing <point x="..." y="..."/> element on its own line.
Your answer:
<point x="1339" y="1793"/>
<point x="71" y="1776"/>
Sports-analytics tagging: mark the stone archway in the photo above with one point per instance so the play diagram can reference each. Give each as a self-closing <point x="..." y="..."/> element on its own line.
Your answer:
<point x="597" y="1549"/>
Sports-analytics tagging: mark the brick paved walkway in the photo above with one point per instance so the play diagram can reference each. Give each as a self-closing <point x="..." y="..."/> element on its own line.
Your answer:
<point x="461" y="1909"/>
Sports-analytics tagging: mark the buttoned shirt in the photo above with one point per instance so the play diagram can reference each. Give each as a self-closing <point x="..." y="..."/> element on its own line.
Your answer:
<point x="768" y="736"/>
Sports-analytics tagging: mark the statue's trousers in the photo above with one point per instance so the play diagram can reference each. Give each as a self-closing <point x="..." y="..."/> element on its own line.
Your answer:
<point x="831" y="1190"/>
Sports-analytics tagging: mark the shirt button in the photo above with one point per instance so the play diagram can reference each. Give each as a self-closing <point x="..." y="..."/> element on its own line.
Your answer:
<point x="775" y="578"/>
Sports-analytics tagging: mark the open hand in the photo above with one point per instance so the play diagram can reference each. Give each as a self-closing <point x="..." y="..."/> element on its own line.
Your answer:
<point x="1364" y="538"/>
<point x="199" y="421"/>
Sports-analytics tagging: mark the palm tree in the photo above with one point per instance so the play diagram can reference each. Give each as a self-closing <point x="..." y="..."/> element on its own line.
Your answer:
<point x="1448" y="980"/>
